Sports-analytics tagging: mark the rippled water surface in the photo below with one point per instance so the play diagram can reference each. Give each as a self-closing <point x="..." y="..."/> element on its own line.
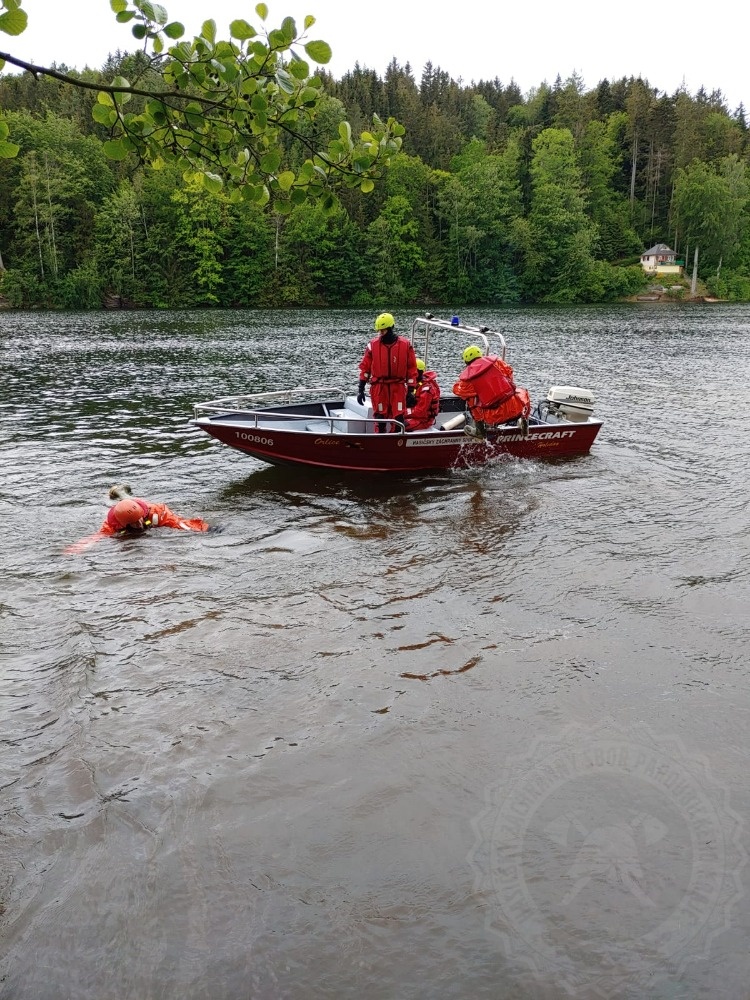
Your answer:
<point x="476" y="734"/>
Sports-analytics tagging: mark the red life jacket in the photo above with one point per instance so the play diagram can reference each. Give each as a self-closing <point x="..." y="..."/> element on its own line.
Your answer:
<point x="492" y="380"/>
<point x="388" y="362"/>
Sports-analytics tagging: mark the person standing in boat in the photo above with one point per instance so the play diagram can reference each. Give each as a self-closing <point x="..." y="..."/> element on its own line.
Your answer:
<point x="390" y="366"/>
<point x="422" y="415"/>
<point x="487" y="385"/>
<point x="132" y="516"/>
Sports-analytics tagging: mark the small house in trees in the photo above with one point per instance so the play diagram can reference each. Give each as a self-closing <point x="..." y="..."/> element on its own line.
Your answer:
<point x="660" y="259"/>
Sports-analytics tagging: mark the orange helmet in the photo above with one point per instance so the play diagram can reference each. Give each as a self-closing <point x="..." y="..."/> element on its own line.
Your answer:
<point x="127" y="512"/>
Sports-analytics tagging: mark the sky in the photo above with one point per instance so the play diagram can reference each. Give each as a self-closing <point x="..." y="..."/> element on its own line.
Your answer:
<point x="670" y="45"/>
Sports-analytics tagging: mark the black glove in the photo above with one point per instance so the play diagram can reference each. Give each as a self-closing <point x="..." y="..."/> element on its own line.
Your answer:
<point x="361" y="393"/>
<point x="411" y="398"/>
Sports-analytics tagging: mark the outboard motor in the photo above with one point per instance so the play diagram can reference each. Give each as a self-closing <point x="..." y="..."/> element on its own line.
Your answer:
<point x="568" y="402"/>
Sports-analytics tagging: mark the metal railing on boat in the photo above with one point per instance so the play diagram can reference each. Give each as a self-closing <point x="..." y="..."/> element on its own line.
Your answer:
<point x="423" y="327"/>
<point x="248" y="402"/>
<point x="250" y="408"/>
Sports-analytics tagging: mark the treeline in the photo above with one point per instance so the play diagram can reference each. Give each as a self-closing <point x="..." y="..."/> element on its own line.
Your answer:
<point x="497" y="197"/>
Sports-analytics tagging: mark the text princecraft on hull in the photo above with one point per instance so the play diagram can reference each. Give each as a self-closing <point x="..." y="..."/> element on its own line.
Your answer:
<point x="327" y="428"/>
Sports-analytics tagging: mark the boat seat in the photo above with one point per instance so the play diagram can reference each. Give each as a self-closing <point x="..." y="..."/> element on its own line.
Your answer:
<point x="318" y="426"/>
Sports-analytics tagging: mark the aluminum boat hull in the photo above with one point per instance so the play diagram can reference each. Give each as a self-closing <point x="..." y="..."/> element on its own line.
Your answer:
<point x="396" y="452"/>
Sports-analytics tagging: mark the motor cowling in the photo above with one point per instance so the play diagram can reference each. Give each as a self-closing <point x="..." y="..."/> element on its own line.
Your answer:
<point x="570" y="402"/>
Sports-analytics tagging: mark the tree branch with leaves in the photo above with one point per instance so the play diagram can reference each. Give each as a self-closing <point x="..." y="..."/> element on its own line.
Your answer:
<point x="221" y="110"/>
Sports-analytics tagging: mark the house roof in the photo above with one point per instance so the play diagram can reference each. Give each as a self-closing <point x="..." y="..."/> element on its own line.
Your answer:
<point x="657" y="248"/>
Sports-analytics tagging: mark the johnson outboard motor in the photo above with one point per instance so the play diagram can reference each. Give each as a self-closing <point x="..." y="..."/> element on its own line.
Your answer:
<point x="567" y="403"/>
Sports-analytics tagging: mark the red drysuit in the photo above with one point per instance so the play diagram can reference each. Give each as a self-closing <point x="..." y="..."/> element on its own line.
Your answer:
<point x="389" y="368"/>
<point x="422" y="414"/>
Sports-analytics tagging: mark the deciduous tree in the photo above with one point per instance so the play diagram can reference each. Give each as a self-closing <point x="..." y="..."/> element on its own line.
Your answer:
<point x="223" y="107"/>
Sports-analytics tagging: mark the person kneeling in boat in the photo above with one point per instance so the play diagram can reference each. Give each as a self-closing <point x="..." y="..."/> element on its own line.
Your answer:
<point x="132" y="516"/>
<point x="489" y="390"/>
<point x="390" y="365"/>
<point x="422" y="415"/>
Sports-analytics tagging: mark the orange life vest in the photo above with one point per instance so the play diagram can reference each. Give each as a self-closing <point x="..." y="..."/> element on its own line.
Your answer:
<point x="492" y="380"/>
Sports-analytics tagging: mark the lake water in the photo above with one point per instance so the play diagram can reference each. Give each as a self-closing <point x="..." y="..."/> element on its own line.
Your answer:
<point x="476" y="734"/>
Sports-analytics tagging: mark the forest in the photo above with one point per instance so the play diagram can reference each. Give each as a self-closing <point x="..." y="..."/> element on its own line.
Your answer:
<point x="495" y="197"/>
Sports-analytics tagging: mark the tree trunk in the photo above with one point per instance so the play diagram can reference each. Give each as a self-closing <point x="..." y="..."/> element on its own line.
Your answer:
<point x="694" y="282"/>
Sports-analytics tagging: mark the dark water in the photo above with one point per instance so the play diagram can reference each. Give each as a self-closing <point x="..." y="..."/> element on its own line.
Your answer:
<point x="481" y="734"/>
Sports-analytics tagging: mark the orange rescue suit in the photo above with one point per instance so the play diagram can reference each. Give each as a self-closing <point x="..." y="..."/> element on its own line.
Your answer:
<point x="155" y="515"/>
<point x="388" y="368"/>
<point x="422" y="414"/>
<point x="487" y="386"/>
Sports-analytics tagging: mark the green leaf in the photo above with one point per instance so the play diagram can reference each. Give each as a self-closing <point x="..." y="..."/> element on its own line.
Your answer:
<point x="286" y="179"/>
<point x="319" y="52"/>
<point x="212" y="182"/>
<point x="208" y="31"/>
<point x="103" y="115"/>
<point x="158" y="46"/>
<point x="105" y="99"/>
<point x="124" y="16"/>
<point x="115" y="149"/>
<point x="241" y="30"/>
<point x="153" y="11"/>
<point x="117" y="6"/>
<point x="366" y="185"/>
<point x="174" y="29"/>
<point x="139" y="31"/>
<point x="309" y="21"/>
<point x="289" y="28"/>
<point x="283" y="207"/>
<point x="2" y="65"/>
<point x="13" y="22"/>
<point x="251" y="192"/>
<point x="269" y="163"/>
<point x="160" y="13"/>
<point x="262" y="11"/>
<point x="8" y="150"/>
<point x="345" y="131"/>
<point x="4" y="130"/>
<point x="278" y="40"/>
<point x="285" y="82"/>
<point x="299" y="69"/>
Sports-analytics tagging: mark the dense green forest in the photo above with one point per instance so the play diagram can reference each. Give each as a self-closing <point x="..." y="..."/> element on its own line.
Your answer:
<point x="496" y="197"/>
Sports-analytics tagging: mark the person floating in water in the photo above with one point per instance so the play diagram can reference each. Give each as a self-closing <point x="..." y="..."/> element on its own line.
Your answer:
<point x="131" y="516"/>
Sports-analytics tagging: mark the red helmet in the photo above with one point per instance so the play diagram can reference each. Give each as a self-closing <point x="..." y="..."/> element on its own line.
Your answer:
<point x="127" y="512"/>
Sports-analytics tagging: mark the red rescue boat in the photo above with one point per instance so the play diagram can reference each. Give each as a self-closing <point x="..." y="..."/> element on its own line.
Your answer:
<point x="327" y="428"/>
